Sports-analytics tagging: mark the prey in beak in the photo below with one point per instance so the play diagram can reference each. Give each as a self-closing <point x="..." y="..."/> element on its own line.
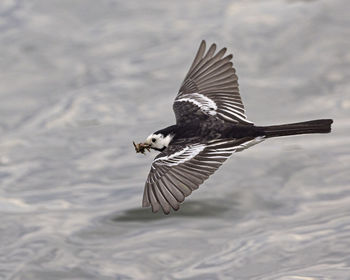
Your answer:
<point x="141" y="147"/>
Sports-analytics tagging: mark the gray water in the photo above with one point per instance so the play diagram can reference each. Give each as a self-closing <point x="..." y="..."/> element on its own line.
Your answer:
<point x="80" y="80"/>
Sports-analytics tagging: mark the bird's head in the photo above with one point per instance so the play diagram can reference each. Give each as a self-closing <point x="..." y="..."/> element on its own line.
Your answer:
<point x="158" y="141"/>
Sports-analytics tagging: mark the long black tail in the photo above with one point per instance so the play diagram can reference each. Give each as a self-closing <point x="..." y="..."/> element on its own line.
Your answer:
<point x="315" y="126"/>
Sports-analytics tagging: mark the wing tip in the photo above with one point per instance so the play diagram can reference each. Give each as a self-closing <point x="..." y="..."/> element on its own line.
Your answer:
<point x="145" y="204"/>
<point x="213" y="46"/>
<point x="229" y="56"/>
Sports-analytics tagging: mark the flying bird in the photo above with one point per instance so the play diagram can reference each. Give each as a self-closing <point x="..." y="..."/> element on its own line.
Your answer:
<point x="211" y="125"/>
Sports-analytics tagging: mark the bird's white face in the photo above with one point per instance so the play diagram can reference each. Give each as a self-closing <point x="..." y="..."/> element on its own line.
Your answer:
<point x="158" y="141"/>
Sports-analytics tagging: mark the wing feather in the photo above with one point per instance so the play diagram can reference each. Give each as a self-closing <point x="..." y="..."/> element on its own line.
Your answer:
<point x="198" y="56"/>
<point x="161" y="199"/>
<point x="146" y="199"/>
<point x="180" y="185"/>
<point x="166" y="191"/>
<point x="173" y="189"/>
<point x="154" y="202"/>
<point x="211" y="76"/>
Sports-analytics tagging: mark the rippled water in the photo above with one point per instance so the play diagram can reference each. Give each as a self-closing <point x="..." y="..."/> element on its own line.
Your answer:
<point x="79" y="80"/>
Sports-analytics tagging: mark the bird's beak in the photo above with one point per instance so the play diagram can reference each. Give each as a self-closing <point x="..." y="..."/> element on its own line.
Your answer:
<point x="141" y="147"/>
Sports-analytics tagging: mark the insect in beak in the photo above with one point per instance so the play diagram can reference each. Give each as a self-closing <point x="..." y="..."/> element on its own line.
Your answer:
<point x="141" y="147"/>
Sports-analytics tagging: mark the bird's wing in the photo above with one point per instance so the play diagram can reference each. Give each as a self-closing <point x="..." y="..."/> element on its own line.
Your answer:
<point x="181" y="168"/>
<point x="210" y="88"/>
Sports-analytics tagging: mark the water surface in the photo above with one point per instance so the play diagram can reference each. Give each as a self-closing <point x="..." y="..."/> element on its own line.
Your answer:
<point x="81" y="79"/>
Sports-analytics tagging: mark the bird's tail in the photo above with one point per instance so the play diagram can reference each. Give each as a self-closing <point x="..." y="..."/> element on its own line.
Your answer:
<point x="315" y="126"/>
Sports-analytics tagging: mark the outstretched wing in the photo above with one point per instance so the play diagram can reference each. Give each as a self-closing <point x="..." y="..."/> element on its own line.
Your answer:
<point x="210" y="88"/>
<point x="180" y="169"/>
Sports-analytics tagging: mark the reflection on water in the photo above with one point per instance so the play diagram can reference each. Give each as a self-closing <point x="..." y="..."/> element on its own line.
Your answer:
<point x="80" y="82"/>
<point x="191" y="209"/>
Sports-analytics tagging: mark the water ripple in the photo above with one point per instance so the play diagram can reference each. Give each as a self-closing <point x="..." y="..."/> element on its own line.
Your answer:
<point x="80" y="81"/>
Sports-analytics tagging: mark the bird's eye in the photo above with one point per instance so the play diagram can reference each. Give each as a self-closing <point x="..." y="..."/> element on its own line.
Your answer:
<point x="153" y="140"/>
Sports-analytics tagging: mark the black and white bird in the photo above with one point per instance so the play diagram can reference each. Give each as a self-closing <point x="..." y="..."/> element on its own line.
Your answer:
<point x="210" y="126"/>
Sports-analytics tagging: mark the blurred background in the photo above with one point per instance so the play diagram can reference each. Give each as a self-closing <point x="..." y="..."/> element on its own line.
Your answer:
<point x="80" y="80"/>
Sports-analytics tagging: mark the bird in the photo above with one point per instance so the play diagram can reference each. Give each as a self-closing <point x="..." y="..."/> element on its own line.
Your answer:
<point x="211" y="125"/>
